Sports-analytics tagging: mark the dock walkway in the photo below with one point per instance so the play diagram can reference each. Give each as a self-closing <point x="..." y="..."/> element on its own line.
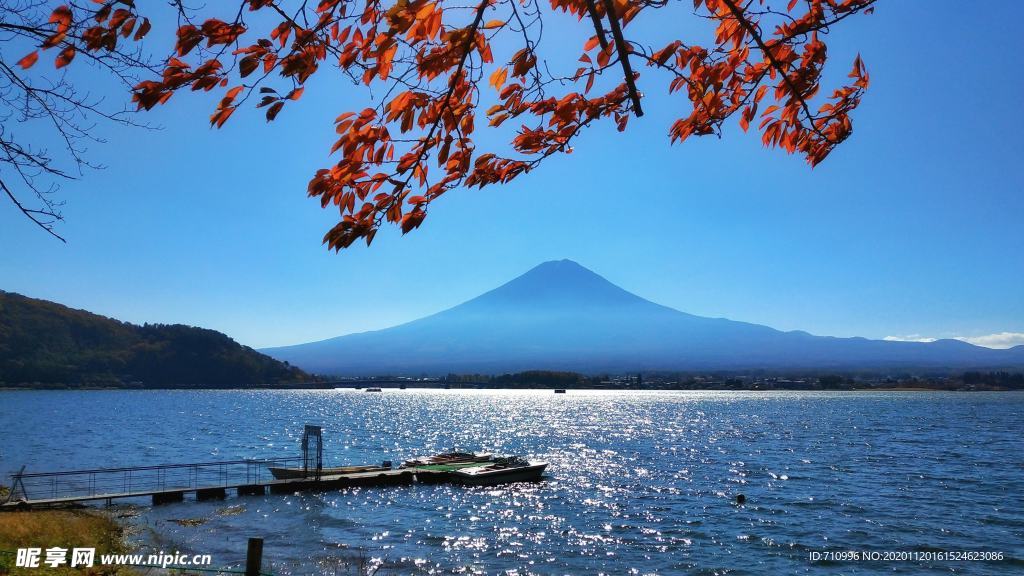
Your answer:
<point x="206" y="481"/>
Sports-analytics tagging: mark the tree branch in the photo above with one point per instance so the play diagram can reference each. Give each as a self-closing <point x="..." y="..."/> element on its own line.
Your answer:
<point x="31" y="214"/>
<point x="623" y="49"/>
<point x="598" y="31"/>
<point x="446" y="106"/>
<point x="738" y="15"/>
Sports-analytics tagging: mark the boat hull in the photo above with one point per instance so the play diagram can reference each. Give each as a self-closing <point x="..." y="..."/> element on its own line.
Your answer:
<point x="531" y="473"/>
<point x="292" y="473"/>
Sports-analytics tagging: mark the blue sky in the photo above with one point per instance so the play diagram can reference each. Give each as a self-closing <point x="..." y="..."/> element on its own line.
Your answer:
<point x="910" y="229"/>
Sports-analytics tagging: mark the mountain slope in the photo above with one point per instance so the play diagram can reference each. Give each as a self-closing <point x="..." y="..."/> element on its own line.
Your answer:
<point x="44" y="343"/>
<point x="560" y="315"/>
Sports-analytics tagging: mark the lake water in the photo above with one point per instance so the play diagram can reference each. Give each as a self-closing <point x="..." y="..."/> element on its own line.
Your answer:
<point x="639" y="483"/>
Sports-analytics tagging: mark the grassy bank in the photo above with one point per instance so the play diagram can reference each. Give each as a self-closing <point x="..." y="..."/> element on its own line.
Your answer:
<point x="68" y="529"/>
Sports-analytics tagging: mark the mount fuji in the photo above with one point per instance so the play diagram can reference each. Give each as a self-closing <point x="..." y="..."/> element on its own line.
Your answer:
<point x="562" y="316"/>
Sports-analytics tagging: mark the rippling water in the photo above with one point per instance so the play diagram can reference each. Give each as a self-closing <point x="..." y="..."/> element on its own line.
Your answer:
<point x="638" y="482"/>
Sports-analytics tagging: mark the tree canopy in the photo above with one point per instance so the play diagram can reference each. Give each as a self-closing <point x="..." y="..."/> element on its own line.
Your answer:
<point x="430" y="65"/>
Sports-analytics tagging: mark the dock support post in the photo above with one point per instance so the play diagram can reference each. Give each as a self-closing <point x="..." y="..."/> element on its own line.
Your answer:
<point x="168" y="497"/>
<point x="252" y="490"/>
<point x="211" y="494"/>
<point x="254" y="557"/>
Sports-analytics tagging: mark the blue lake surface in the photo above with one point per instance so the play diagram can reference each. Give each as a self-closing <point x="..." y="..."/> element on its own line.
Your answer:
<point x="639" y="483"/>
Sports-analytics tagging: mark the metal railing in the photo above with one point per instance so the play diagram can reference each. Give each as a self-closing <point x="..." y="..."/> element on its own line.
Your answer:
<point x="143" y="480"/>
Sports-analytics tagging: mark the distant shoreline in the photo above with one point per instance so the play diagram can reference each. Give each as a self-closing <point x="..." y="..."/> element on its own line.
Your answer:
<point x="353" y="388"/>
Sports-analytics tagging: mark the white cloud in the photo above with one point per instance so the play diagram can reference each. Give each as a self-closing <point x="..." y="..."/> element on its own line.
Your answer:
<point x="909" y="338"/>
<point x="998" y="340"/>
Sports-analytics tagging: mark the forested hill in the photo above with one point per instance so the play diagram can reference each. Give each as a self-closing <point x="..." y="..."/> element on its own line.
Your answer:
<point x="46" y="344"/>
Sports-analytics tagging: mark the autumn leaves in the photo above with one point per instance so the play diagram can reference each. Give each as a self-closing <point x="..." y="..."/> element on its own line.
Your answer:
<point x="427" y="61"/>
<point x="103" y="28"/>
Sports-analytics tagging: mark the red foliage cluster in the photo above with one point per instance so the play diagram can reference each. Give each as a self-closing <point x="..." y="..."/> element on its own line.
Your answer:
<point x="417" y="142"/>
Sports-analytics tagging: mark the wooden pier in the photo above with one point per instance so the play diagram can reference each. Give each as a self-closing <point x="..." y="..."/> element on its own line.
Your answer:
<point x="167" y="483"/>
<point x="76" y="486"/>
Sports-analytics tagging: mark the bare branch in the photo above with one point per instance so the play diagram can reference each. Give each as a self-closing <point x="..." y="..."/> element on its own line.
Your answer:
<point x="623" y="49"/>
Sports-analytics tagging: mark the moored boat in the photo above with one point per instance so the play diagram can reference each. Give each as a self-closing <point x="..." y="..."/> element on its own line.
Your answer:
<point x="291" y="473"/>
<point x="445" y="467"/>
<point x="374" y="390"/>
<point x="448" y="458"/>
<point x="500" y="471"/>
<point x="559" y="390"/>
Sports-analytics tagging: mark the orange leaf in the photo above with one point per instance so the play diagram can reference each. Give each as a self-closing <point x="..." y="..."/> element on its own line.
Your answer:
<point x="62" y="17"/>
<point x="273" y="110"/>
<point x="221" y="116"/>
<point x="498" y="78"/>
<point x="29" y="60"/>
<point x="65" y="57"/>
<point x="143" y="30"/>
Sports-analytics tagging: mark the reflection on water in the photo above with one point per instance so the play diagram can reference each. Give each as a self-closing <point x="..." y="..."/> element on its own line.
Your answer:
<point x="638" y="482"/>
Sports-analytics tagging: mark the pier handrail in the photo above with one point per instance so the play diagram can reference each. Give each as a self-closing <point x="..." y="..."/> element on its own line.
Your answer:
<point x="128" y="480"/>
<point x="247" y="461"/>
